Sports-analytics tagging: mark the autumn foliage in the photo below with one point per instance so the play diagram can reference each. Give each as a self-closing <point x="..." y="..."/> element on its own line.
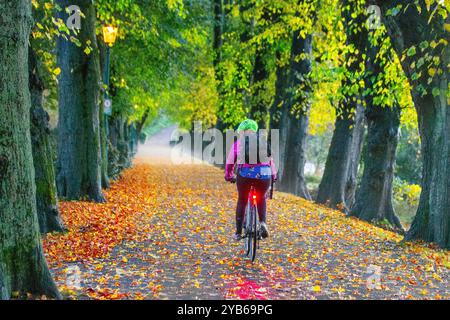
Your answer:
<point x="165" y="233"/>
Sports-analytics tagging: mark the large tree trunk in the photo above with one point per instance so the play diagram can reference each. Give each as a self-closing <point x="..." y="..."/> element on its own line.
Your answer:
<point x="279" y="112"/>
<point x="411" y="28"/>
<point x="338" y="186"/>
<point x="46" y="194"/>
<point x="79" y="150"/>
<point x="355" y="157"/>
<point x="332" y="189"/>
<point x="334" y="185"/>
<point x="293" y="177"/>
<point x="374" y="198"/>
<point x="23" y="267"/>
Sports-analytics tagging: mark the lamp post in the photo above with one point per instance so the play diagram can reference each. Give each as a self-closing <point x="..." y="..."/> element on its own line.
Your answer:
<point x="109" y="37"/>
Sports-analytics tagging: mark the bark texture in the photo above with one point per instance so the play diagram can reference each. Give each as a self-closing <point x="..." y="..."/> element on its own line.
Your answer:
<point x="103" y="118"/>
<point x="299" y="87"/>
<point x="411" y="28"/>
<point x="22" y="263"/>
<point x="374" y="198"/>
<point x="119" y="152"/>
<point x="260" y="99"/>
<point x="339" y="176"/>
<point x="46" y="194"/>
<point x="355" y="156"/>
<point x="79" y="149"/>
<point x="279" y="111"/>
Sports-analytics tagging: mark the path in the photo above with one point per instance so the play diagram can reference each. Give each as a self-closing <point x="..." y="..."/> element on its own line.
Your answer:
<point x="180" y="246"/>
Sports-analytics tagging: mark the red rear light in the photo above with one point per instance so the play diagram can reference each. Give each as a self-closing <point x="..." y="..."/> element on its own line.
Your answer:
<point x="254" y="197"/>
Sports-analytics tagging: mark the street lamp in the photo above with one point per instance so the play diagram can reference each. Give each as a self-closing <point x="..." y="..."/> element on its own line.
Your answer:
<point x="109" y="37"/>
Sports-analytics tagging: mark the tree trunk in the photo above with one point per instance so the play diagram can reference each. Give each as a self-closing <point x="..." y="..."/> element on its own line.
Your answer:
<point x="432" y="221"/>
<point x="219" y="21"/>
<point x="407" y="29"/>
<point x="119" y="155"/>
<point x="103" y="118"/>
<point x="355" y="157"/>
<point x="218" y="31"/>
<point x="132" y="140"/>
<point x="260" y="99"/>
<point x="246" y="78"/>
<point x="338" y="186"/>
<point x="334" y="180"/>
<point x="46" y="194"/>
<point x="333" y="187"/>
<point x="104" y="148"/>
<point x="79" y="149"/>
<point x="23" y="267"/>
<point x="279" y="112"/>
<point x="374" y="198"/>
<point x="293" y="177"/>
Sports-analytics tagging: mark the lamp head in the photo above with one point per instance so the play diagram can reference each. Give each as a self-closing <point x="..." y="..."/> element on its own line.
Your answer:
<point x="110" y="34"/>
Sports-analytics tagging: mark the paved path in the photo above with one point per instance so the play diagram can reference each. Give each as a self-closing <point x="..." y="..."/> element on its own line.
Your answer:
<point x="184" y="248"/>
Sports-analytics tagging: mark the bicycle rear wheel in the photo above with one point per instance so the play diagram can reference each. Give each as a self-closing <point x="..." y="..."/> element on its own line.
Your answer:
<point x="254" y="234"/>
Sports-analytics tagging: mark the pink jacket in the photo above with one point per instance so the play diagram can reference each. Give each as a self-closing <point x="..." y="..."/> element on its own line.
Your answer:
<point x="232" y="159"/>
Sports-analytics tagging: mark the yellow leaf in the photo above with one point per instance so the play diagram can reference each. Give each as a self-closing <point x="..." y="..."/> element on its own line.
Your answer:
<point x="431" y="72"/>
<point x="316" y="289"/>
<point x="447" y="27"/>
<point x="57" y="71"/>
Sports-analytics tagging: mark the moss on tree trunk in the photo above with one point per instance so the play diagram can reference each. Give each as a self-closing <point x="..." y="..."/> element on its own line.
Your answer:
<point x="79" y="150"/>
<point x="22" y="264"/>
<point x="46" y="194"/>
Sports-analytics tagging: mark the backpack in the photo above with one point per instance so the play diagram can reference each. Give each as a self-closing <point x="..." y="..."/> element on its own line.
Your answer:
<point x="254" y="149"/>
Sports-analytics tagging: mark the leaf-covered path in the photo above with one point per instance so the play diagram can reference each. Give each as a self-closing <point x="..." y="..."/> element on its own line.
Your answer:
<point x="165" y="233"/>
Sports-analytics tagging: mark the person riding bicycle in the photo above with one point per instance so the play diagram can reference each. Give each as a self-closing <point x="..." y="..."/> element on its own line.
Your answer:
<point x="252" y="170"/>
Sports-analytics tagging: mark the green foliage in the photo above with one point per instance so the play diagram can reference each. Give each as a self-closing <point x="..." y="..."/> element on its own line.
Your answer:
<point x="406" y="200"/>
<point x="409" y="159"/>
<point x="162" y="61"/>
<point x="407" y="192"/>
<point x="426" y="60"/>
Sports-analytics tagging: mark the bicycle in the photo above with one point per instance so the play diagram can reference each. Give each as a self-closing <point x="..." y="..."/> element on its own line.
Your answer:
<point x="252" y="227"/>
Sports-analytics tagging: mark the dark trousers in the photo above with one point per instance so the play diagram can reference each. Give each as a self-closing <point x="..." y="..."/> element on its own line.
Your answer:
<point x="243" y="185"/>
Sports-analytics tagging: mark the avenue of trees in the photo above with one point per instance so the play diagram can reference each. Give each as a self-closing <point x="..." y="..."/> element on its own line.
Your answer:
<point x="359" y="69"/>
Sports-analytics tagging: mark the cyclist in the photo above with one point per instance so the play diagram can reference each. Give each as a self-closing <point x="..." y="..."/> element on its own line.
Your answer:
<point x="250" y="173"/>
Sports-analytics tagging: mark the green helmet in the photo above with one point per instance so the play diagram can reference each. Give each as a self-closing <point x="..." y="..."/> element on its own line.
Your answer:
<point x="248" y="124"/>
